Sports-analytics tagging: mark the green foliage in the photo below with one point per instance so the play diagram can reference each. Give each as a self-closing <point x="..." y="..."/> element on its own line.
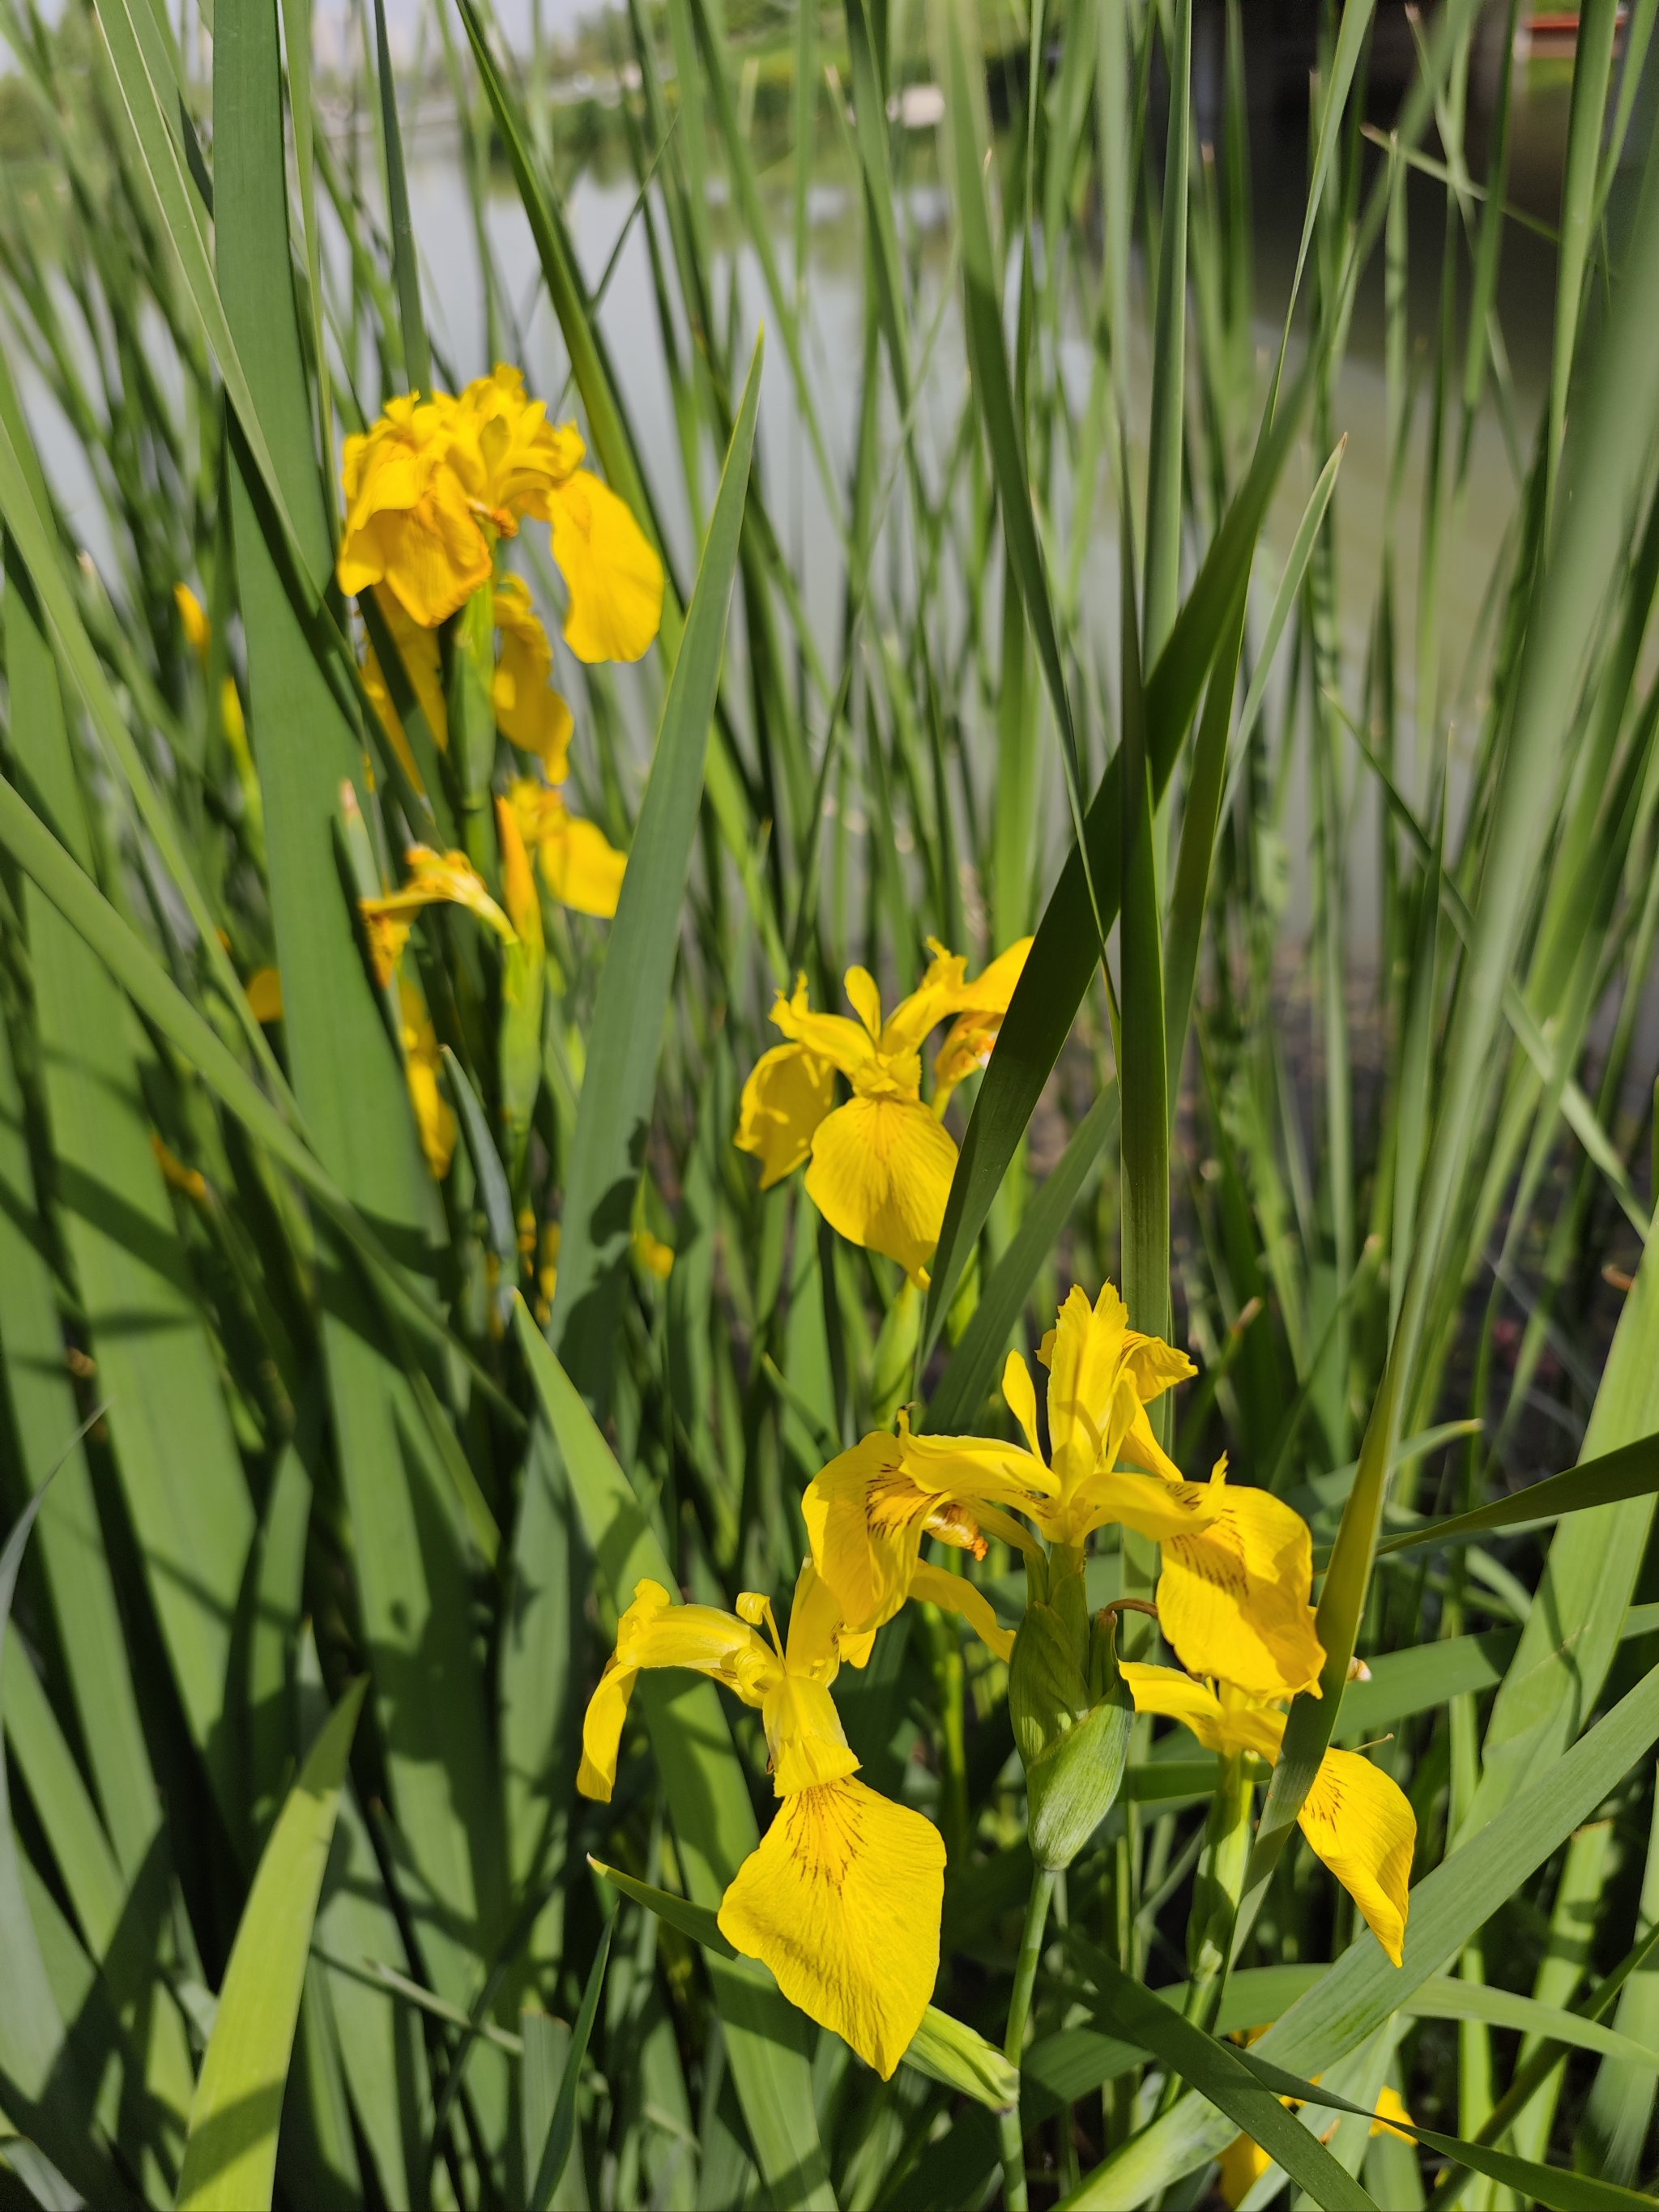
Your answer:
<point x="1038" y="581"/>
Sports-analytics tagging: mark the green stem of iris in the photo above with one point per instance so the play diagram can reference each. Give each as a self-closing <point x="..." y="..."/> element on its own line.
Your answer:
<point x="1014" y="2191"/>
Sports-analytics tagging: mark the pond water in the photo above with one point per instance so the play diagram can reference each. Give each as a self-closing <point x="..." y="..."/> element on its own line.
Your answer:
<point x="602" y="200"/>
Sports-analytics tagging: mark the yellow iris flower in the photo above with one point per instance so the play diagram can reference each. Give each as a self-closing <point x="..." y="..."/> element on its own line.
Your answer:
<point x="1243" y="2162"/>
<point x="880" y="1164"/>
<point x="842" y="1897"/>
<point x="434" y="879"/>
<point x="1236" y="1564"/>
<point x="434" y="484"/>
<point x="579" y="865"/>
<point x="1357" y="1819"/>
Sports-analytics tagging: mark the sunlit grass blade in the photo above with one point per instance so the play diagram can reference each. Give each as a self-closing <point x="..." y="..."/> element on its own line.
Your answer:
<point x="230" y="2158"/>
<point x="624" y="1037"/>
<point x="714" y="1821"/>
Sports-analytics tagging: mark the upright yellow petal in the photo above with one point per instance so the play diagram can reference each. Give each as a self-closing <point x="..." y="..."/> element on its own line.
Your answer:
<point x="842" y="1901"/>
<point x="1233" y="1595"/>
<point x="787" y="1095"/>
<point x="613" y="573"/>
<point x="602" y="1728"/>
<point x="880" y="1175"/>
<point x="1242" y="2165"/>
<point x="1084" y="1359"/>
<point x="1019" y="1395"/>
<point x="1361" y="1824"/>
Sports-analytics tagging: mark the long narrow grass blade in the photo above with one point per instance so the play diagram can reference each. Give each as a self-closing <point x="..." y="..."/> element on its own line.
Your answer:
<point x="230" y="2159"/>
<point x="625" y="1037"/>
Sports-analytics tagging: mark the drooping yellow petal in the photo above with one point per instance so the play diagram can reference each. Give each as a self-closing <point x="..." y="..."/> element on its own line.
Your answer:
<point x="880" y="1175"/>
<point x="1233" y="1595"/>
<point x="955" y="1594"/>
<point x="528" y="707"/>
<point x="788" y="1093"/>
<point x="434" y="1116"/>
<point x="1361" y="1824"/>
<point x="842" y="1900"/>
<point x="614" y="576"/>
<point x="1150" y="1505"/>
<point x="417" y="649"/>
<point x="602" y="1728"/>
<point x="436" y="878"/>
<point x="865" y="1518"/>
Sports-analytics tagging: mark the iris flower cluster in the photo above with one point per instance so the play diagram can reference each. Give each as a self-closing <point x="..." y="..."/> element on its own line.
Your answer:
<point x="842" y="1897"/>
<point x="432" y="490"/>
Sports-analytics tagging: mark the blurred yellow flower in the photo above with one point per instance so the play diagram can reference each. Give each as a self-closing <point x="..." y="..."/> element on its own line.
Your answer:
<point x="528" y="707"/>
<point x="418" y="649"/>
<point x="434" y="879"/>
<point x="881" y="1162"/>
<point x="1243" y="2162"/>
<point x="579" y="865"/>
<point x="434" y="482"/>
<point x="264" y="994"/>
<point x="1357" y="1819"/>
<point x="198" y="631"/>
<point x="422" y="1063"/>
<point x="842" y="1897"/>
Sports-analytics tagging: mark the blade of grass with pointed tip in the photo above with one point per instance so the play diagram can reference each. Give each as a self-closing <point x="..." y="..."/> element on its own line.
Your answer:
<point x="561" y="2127"/>
<point x="1164" y="486"/>
<point x="40" y="2084"/>
<point x="1217" y="2072"/>
<point x="418" y="354"/>
<point x="410" y="1571"/>
<point x="1362" y="1990"/>
<point x="943" y="2049"/>
<point x="139" y="973"/>
<point x="230" y="2157"/>
<point x="1066" y="951"/>
<point x="973" y="1364"/>
<point x="45" y="1422"/>
<point x="703" y="1784"/>
<point x="181" y="1474"/>
<point x="625" y="1035"/>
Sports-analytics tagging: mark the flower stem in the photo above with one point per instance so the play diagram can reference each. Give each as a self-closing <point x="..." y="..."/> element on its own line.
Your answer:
<point x="1014" y="2194"/>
